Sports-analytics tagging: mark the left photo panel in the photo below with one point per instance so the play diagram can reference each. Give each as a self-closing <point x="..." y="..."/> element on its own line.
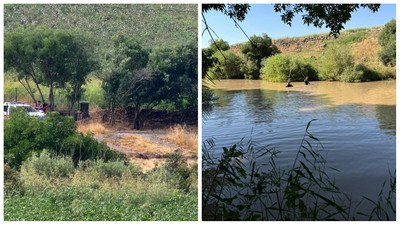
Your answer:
<point x="100" y="112"/>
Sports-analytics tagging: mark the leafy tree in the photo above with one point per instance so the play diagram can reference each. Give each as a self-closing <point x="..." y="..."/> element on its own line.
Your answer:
<point x="21" y="54"/>
<point x="208" y="61"/>
<point x="283" y="67"/>
<point x="51" y="57"/>
<point x="258" y="48"/>
<point x="387" y="39"/>
<point x="332" y="15"/>
<point x="219" y="45"/>
<point x="141" y="88"/>
<point x="127" y="55"/>
<point x="83" y="64"/>
<point x="229" y="66"/>
<point x="178" y="65"/>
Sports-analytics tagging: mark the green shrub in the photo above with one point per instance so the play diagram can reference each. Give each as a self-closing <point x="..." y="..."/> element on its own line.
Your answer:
<point x="112" y="168"/>
<point x="351" y="74"/>
<point x="282" y="67"/>
<point x="333" y="63"/>
<point x="25" y="135"/>
<point x="11" y="179"/>
<point x="387" y="39"/>
<point x="50" y="167"/>
<point x="359" y="73"/>
<point x="251" y="70"/>
<point x="229" y="66"/>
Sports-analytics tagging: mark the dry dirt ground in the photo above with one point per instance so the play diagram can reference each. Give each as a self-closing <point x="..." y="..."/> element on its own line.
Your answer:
<point x="147" y="148"/>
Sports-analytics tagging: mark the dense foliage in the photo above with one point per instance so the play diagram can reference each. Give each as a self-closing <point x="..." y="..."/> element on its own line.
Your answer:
<point x="282" y="68"/>
<point x="228" y="66"/>
<point x="255" y="50"/>
<point x="52" y="57"/>
<point x="334" y="62"/>
<point x="337" y="64"/>
<point x="25" y="136"/>
<point x="387" y="39"/>
<point x="219" y="45"/>
<point x="72" y="41"/>
<point x="144" y="79"/>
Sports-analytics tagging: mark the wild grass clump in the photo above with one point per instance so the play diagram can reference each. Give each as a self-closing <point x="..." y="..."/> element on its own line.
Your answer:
<point x="245" y="183"/>
<point x="180" y="136"/>
<point x="94" y="127"/>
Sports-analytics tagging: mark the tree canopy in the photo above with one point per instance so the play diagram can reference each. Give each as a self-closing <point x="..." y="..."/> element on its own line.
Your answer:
<point x="256" y="49"/>
<point x="51" y="57"/>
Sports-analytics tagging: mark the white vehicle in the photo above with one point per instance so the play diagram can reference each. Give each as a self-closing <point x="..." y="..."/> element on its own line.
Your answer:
<point x="9" y="106"/>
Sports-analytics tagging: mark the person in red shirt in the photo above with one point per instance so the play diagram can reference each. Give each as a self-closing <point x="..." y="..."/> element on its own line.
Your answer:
<point x="44" y="107"/>
<point x="39" y="106"/>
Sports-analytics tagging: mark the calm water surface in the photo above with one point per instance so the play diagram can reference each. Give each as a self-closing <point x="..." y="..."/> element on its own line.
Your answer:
<point x="356" y="124"/>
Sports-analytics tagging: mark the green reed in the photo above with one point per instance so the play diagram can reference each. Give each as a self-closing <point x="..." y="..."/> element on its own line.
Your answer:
<point x="246" y="183"/>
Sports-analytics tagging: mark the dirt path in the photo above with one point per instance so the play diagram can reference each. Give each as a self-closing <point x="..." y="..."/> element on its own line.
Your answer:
<point x="147" y="148"/>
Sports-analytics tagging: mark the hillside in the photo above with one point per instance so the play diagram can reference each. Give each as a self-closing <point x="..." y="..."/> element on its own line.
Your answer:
<point x="363" y="43"/>
<point x="156" y="24"/>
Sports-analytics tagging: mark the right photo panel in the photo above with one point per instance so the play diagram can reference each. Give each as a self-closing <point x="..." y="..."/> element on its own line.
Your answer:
<point x="299" y="112"/>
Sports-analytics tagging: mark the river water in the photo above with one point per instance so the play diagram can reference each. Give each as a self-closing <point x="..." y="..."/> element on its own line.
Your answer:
<point x="356" y="123"/>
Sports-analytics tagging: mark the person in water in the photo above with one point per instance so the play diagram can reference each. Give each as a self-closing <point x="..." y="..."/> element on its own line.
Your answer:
<point x="288" y="84"/>
<point x="306" y="82"/>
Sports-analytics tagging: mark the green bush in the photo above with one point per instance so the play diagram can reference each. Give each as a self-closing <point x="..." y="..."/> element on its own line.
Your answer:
<point x="282" y="67"/>
<point x="351" y="74"/>
<point x="333" y="63"/>
<point x="25" y="135"/>
<point x="45" y="165"/>
<point x="112" y="169"/>
<point x="251" y="70"/>
<point x="387" y="39"/>
<point x="229" y="66"/>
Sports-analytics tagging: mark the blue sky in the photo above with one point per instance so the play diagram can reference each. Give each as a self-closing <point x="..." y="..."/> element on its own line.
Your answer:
<point x="263" y="19"/>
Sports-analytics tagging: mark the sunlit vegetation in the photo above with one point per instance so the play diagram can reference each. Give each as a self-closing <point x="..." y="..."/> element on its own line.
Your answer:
<point x="49" y="188"/>
<point x="354" y="56"/>
<point x="181" y="136"/>
<point x="54" y="172"/>
<point x="113" y="56"/>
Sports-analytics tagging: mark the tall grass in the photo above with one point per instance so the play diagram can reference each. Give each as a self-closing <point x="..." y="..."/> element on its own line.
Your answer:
<point x="245" y="183"/>
<point x="180" y="136"/>
<point x="94" y="127"/>
<point x="53" y="189"/>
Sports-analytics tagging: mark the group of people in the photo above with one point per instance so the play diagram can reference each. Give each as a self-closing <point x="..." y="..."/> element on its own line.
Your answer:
<point x="40" y="106"/>
<point x="306" y="82"/>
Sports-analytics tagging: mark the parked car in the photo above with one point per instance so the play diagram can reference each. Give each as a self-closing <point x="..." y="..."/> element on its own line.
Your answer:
<point x="9" y="106"/>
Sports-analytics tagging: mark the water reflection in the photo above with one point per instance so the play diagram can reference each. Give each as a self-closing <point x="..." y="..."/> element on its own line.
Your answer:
<point x="386" y="115"/>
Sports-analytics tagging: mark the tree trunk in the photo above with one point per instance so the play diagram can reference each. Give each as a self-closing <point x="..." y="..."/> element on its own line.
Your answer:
<point x="28" y="89"/>
<point x="136" y="124"/>
<point x="33" y="75"/>
<point x="112" y="118"/>
<point x="51" y="97"/>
